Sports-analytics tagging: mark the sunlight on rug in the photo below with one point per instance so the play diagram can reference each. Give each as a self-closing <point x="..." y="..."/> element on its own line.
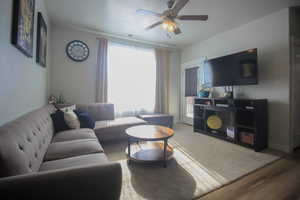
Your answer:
<point x="184" y="178"/>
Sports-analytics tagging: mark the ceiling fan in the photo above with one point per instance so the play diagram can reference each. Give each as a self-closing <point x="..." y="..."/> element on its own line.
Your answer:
<point x="169" y="16"/>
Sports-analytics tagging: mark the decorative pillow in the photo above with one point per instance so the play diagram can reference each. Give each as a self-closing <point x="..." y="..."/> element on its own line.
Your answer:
<point x="71" y="119"/>
<point x="85" y="120"/>
<point x="59" y="121"/>
<point x="69" y="108"/>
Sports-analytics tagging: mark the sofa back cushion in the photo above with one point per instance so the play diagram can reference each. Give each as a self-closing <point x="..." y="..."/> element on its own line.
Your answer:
<point x="24" y="142"/>
<point x="98" y="111"/>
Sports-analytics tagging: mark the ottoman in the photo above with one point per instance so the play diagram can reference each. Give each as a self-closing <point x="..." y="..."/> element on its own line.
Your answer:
<point x="158" y="119"/>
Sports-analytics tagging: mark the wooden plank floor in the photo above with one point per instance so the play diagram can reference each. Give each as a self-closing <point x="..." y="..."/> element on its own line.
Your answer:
<point x="277" y="181"/>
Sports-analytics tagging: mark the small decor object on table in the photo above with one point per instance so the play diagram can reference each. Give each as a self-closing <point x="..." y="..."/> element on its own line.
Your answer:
<point x="59" y="102"/>
<point x="52" y="99"/>
<point x="205" y="91"/>
<point x="77" y="50"/>
<point x="152" y="150"/>
<point x="41" y="47"/>
<point x="23" y="25"/>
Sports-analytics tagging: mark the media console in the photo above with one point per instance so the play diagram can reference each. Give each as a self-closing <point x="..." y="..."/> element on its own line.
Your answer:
<point x="240" y="121"/>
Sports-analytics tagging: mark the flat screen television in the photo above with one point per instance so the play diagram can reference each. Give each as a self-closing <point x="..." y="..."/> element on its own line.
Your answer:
<point x="236" y="69"/>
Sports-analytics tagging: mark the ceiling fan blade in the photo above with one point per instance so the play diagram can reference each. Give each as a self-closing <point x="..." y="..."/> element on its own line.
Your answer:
<point x="193" y="17"/>
<point x="179" y="5"/>
<point x="177" y="31"/>
<point x="154" y="25"/>
<point x="148" y="12"/>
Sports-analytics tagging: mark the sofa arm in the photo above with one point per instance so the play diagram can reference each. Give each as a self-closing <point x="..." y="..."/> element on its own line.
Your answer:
<point x="99" y="111"/>
<point x="80" y="183"/>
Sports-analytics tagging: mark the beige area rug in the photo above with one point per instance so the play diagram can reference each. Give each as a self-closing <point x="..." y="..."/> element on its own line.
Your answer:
<point x="200" y="165"/>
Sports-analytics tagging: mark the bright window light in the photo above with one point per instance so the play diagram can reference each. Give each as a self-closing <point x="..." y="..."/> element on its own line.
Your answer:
<point x="131" y="79"/>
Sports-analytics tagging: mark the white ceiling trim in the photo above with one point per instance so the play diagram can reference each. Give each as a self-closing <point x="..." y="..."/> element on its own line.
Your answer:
<point x="118" y="38"/>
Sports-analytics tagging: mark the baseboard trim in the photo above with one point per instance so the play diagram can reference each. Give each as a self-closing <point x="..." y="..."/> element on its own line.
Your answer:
<point x="280" y="147"/>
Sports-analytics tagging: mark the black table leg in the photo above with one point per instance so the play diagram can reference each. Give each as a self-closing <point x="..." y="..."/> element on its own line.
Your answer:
<point x="129" y="159"/>
<point x="165" y="153"/>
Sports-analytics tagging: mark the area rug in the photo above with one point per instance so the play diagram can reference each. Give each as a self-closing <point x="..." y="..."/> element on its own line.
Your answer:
<point x="200" y="164"/>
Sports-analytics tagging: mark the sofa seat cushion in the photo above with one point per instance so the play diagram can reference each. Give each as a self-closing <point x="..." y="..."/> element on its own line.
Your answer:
<point x="90" y="159"/>
<point x="122" y="121"/>
<point x="76" y="134"/>
<point x="60" y="150"/>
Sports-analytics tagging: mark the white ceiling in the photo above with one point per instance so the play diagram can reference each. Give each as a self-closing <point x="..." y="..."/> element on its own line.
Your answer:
<point x="119" y="16"/>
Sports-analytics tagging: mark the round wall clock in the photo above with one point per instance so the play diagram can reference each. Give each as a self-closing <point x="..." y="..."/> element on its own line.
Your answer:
<point x="77" y="51"/>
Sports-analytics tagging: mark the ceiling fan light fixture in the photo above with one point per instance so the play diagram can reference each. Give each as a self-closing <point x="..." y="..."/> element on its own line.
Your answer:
<point x="171" y="28"/>
<point x="168" y="17"/>
<point x="165" y="25"/>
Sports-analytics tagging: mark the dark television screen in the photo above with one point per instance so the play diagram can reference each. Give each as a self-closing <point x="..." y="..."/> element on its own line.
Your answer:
<point x="235" y="69"/>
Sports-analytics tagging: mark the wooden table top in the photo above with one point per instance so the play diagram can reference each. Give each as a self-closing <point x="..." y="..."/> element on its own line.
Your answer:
<point x="150" y="132"/>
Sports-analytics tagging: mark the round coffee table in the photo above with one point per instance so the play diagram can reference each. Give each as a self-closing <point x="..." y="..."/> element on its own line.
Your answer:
<point x="152" y="150"/>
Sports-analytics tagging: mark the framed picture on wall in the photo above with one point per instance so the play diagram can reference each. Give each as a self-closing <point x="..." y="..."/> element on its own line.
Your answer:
<point x="23" y="25"/>
<point x="41" y="44"/>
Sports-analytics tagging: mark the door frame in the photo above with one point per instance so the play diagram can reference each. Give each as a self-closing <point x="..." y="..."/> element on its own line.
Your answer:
<point x="184" y="66"/>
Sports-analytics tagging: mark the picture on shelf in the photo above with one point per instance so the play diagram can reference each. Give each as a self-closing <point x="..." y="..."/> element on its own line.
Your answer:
<point x="230" y="132"/>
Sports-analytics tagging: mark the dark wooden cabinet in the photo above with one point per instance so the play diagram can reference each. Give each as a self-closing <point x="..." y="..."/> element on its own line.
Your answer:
<point x="240" y="121"/>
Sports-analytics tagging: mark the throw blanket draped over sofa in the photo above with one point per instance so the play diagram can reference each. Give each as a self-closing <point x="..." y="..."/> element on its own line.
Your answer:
<point x="35" y="163"/>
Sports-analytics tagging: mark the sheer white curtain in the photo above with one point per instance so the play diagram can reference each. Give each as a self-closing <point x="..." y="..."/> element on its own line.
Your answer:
<point x="131" y="79"/>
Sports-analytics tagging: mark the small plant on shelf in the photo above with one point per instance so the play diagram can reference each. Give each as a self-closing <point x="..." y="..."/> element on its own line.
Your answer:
<point x="57" y="100"/>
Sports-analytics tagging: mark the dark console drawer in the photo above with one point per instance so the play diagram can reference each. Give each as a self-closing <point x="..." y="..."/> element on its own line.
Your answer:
<point x="248" y="105"/>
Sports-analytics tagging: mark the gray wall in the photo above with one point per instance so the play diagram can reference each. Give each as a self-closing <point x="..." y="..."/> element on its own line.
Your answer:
<point x="23" y="83"/>
<point x="77" y="81"/>
<point x="270" y="35"/>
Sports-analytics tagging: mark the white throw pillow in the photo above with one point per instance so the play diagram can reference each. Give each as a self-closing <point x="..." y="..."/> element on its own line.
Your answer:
<point x="71" y="119"/>
<point x="69" y="108"/>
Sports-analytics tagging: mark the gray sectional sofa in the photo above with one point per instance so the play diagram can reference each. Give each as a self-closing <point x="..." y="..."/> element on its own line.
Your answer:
<point x="35" y="163"/>
<point x="108" y="128"/>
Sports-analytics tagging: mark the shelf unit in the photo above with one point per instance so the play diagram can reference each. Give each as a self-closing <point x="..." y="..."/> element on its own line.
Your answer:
<point x="244" y="121"/>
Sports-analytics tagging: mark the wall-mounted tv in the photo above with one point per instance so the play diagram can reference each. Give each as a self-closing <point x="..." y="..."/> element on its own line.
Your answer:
<point x="236" y="69"/>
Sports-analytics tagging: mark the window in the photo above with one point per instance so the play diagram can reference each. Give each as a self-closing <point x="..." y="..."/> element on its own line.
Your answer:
<point x="131" y="79"/>
<point x="190" y="107"/>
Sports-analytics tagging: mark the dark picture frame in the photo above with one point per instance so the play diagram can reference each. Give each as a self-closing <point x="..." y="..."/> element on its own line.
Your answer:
<point x="23" y="26"/>
<point x="41" y="43"/>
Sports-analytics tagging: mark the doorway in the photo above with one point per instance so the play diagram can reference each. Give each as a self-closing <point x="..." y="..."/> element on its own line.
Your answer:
<point x="187" y="103"/>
